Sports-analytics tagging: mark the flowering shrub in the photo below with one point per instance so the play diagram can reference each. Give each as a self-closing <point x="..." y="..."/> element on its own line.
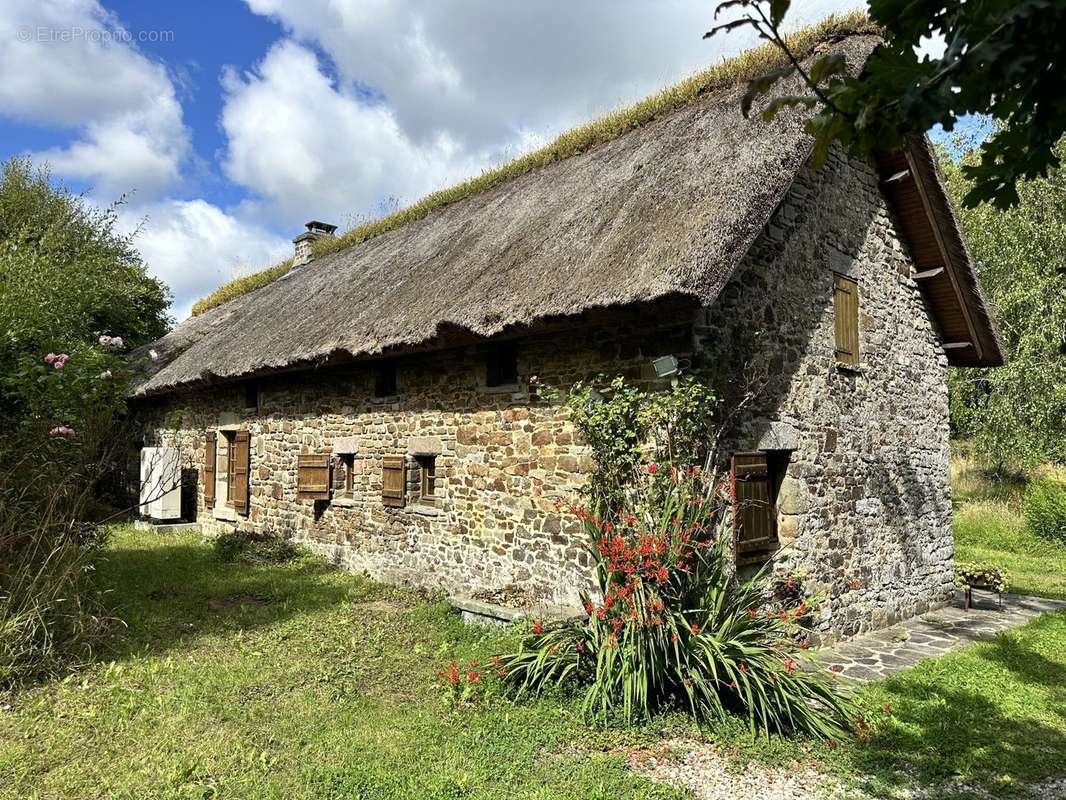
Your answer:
<point x="675" y="627"/>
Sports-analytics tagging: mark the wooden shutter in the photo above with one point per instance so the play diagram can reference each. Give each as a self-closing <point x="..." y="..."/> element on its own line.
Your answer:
<point x="393" y="478"/>
<point x="210" y="458"/>
<point x="240" y="466"/>
<point x="754" y="516"/>
<point x="312" y="477"/>
<point x="846" y="319"/>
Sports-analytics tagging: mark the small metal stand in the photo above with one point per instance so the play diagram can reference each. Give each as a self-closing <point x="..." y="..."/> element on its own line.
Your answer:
<point x="969" y="597"/>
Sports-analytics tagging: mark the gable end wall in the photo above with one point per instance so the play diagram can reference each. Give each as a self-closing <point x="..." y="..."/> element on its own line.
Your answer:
<point x="864" y="508"/>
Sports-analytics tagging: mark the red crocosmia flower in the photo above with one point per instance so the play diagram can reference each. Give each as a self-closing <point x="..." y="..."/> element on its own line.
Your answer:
<point x="836" y="668"/>
<point x="784" y="616"/>
<point x="580" y="646"/>
<point x="752" y="612"/>
<point x="473" y="677"/>
<point x="802" y="609"/>
<point x="608" y="527"/>
<point x="790" y="666"/>
<point x="742" y="667"/>
<point x="887" y="708"/>
<point x="538" y="628"/>
<point x="653" y="468"/>
<point x="733" y="684"/>
<point x="675" y="638"/>
<point x="502" y="673"/>
<point x="496" y="661"/>
<point x="662" y="574"/>
<point x="694" y="628"/>
<point x="452" y="675"/>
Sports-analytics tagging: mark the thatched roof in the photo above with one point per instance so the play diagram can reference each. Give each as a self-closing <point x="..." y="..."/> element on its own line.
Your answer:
<point x="667" y="209"/>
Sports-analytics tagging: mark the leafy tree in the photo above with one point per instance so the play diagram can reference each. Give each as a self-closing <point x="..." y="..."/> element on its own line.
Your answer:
<point x="1017" y="413"/>
<point x="1003" y="58"/>
<point x="67" y="277"/>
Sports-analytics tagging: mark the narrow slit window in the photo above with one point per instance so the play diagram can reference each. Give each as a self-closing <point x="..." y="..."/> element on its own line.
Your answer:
<point x="427" y="467"/>
<point x="754" y="512"/>
<point x="846" y="320"/>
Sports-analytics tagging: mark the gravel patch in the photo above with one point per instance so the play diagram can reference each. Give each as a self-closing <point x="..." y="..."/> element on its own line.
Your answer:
<point x="706" y="773"/>
<point x="1054" y="789"/>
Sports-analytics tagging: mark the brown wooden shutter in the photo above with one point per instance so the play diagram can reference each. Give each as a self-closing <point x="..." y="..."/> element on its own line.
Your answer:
<point x="210" y="458"/>
<point x="393" y="478"/>
<point x="754" y="518"/>
<point x="240" y="466"/>
<point x="312" y="477"/>
<point x="846" y="319"/>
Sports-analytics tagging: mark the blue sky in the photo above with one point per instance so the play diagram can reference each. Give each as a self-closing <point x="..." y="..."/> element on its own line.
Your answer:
<point x="228" y="124"/>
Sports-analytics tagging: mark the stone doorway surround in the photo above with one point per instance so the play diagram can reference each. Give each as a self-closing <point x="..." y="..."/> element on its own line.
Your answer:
<point x="877" y="655"/>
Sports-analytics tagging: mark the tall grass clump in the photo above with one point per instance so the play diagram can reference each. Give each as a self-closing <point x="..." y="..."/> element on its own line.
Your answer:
<point x="675" y="627"/>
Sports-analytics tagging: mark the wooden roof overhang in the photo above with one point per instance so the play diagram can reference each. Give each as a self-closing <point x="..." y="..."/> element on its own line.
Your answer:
<point x="943" y="268"/>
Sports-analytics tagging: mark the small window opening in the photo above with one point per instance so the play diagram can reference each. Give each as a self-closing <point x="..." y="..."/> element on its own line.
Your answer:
<point x="251" y="395"/>
<point x="501" y="366"/>
<point x="385" y="379"/>
<point x="427" y="485"/>
<point x="344" y="475"/>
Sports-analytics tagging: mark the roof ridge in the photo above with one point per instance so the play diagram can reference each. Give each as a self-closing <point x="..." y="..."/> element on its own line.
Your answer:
<point x="728" y="73"/>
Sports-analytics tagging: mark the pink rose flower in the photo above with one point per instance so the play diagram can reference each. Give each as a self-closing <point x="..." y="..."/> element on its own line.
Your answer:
<point x="50" y="358"/>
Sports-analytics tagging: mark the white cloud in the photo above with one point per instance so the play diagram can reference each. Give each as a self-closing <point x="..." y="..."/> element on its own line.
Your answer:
<point x="313" y="150"/>
<point x="414" y="95"/>
<point x="64" y="63"/>
<point x="195" y="246"/>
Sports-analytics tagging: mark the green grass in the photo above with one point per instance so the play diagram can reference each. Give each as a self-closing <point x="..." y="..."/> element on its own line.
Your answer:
<point x="299" y="681"/>
<point x="318" y="685"/>
<point x="743" y="67"/>
<point x="990" y="528"/>
<point x="991" y="717"/>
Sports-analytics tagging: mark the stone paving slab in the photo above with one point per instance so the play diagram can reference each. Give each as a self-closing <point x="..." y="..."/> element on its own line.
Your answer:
<point x="877" y="655"/>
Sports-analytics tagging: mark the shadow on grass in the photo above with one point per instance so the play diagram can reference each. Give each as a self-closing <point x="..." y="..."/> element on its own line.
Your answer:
<point x="169" y="592"/>
<point x="963" y="728"/>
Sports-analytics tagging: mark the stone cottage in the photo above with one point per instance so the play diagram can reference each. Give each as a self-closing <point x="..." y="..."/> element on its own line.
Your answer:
<point x="380" y="403"/>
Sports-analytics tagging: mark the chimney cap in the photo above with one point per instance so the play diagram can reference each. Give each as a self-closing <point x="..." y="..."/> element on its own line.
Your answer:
<point x="314" y="226"/>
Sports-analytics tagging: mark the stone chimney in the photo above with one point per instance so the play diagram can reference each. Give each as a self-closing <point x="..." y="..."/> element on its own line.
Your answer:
<point x="302" y="243"/>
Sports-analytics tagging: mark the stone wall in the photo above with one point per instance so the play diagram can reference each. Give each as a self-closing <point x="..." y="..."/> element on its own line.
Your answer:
<point x="505" y="457"/>
<point x="864" y="506"/>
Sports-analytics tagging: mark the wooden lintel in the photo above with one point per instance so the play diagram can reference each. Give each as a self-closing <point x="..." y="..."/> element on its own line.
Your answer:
<point x="957" y="345"/>
<point x="926" y="274"/>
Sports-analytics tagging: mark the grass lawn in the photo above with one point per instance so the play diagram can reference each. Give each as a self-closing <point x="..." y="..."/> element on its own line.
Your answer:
<point x="298" y="681"/>
<point x="285" y="681"/>
<point x="990" y="528"/>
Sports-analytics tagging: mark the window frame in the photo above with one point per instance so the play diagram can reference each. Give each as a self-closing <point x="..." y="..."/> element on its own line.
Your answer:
<point x="428" y="486"/>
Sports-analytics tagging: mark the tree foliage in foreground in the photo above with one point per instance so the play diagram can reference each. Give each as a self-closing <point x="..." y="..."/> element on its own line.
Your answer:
<point x="67" y="277"/>
<point x="1016" y="413"/>
<point x="1003" y="58"/>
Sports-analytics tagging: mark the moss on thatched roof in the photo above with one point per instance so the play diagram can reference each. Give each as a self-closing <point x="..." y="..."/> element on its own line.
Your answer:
<point x="740" y="68"/>
<point x="664" y="209"/>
